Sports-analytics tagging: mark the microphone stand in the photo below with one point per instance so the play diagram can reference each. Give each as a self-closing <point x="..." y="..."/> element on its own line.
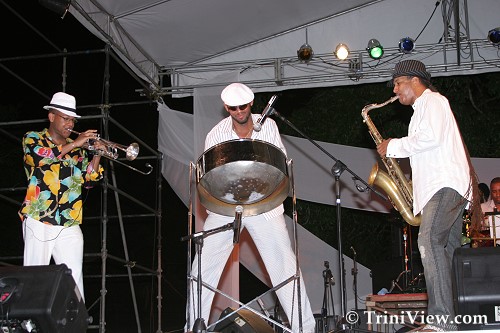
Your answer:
<point x="338" y="168"/>
<point x="354" y="272"/>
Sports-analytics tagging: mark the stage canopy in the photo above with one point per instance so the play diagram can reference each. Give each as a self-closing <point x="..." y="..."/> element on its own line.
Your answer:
<point x="178" y="45"/>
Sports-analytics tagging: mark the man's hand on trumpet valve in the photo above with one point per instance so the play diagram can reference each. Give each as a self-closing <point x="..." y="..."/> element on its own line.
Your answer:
<point x="85" y="138"/>
<point x="99" y="145"/>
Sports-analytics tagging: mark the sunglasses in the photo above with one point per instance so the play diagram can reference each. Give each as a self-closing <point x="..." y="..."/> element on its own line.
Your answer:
<point x="240" y="107"/>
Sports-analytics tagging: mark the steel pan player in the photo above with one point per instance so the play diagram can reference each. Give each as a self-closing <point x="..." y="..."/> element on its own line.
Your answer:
<point x="268" y="230"/>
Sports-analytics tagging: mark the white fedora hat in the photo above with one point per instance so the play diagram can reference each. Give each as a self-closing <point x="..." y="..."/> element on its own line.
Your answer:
<point x="237" y="94"/>
<point x="63" y="103"/>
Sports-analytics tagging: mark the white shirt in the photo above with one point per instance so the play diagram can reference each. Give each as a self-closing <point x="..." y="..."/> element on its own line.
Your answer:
<point x="269" y="132"/>
<point x="435" y="148"/>
<point x="488" y="206"/>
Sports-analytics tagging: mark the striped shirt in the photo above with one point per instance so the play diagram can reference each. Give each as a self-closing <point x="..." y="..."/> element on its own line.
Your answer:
<point x="269" y="132"/>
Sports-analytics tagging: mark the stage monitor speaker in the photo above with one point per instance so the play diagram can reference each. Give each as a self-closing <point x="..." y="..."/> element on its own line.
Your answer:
<point x="476" y="287"/>
<point x="42" y="299"/>
<point x="243" y="321"/>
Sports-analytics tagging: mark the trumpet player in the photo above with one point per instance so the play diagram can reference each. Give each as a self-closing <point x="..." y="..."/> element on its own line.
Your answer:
<point x="443" y="181"/>
<point x="57" y="168"/>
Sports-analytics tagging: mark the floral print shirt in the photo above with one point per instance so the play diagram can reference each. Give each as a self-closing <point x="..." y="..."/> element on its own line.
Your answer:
<point x="54" y="194"/>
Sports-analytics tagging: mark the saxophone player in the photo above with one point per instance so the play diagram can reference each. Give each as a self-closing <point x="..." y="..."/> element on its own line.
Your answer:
<point x="443" y="181"/>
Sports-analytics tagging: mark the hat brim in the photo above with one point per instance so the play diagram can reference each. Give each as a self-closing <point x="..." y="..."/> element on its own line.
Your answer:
<point x="66" y="112"/>
<point x="426" y="77"/>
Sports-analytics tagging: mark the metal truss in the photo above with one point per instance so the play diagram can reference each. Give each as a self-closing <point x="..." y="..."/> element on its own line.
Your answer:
<point x="323" y="70"/>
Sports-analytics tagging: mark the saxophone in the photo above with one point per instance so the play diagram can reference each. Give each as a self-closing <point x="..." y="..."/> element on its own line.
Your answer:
<point x="394" y="181"/>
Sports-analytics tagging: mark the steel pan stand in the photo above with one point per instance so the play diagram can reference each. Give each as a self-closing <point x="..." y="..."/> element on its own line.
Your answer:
<point x="253" y="174"/>
<point x="199" y="325"/>
<point x="294" y="278"/>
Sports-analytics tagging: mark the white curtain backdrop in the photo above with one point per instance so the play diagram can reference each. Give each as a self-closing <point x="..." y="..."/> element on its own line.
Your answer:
<point x="181" y="140"/>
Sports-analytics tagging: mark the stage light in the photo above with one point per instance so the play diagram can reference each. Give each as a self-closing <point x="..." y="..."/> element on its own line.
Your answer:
<point x="494" y="36"/>
<point x="305" y="53"/>
<point x="341" y="51"/>
<point x="375" y="50"/>
<point x="60" y="7"/>
<point x="406" y="45"/>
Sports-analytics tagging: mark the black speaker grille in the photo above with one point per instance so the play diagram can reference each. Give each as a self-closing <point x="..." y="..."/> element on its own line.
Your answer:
<point x="45" y="296"/>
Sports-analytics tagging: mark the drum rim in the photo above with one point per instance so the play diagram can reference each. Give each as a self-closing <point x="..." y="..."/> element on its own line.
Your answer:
<point x="276" y="158"/>
<point x="240" y="140"/>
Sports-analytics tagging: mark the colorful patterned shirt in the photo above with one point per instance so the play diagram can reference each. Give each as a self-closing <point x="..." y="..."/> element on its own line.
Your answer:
<point x="54" y="194"/>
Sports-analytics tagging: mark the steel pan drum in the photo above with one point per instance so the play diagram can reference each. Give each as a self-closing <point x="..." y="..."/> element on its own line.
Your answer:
<point x="245" y="172"/>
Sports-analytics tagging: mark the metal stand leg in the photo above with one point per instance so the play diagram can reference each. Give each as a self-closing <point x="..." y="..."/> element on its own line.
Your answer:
<point x="199" y="325"/>
<point x="406" y="266"/>
<point x="328" y="302"/>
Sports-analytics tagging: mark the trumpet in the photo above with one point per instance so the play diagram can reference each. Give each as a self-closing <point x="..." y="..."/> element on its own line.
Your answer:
<point x="111" y="148"/>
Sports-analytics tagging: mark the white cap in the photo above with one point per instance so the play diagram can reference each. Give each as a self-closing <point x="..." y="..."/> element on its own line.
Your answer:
<point x="63" y="103"/>
<point x="236" y="94"/>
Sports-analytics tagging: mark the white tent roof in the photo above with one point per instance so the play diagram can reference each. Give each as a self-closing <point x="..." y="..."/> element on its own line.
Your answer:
<point x="194" y="41"/>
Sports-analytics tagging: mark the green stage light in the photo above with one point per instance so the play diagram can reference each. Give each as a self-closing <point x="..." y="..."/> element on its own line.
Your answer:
<point x="375" y="50"/>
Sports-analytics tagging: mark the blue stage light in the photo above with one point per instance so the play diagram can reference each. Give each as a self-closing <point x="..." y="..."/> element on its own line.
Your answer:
<point x="406" y="45"/>
<point x="494" y="36"/>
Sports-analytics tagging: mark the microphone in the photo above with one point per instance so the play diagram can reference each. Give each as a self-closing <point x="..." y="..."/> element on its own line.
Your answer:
<point x="353" y="251"/>
<point x="268" y="111"/>
<point x="237" y="224"/>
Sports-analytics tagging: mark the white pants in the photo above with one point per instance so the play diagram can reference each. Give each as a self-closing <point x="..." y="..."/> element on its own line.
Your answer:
<point x="272" y="240"/>
<point x="64" y="244"/>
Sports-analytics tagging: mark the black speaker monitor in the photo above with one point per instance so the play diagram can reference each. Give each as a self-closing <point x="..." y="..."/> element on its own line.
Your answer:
<point x="43" y="299"/>
<point x="243" y="321"/>
<point x="476" y="287"/>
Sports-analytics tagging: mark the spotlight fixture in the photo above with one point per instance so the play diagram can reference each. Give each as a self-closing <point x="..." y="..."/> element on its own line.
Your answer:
<point x="305" y="53"/>
<point x="406" y="45"/>
<point x="494" y="36"/>
<point x="60" y="7"/>
<point x="341" y="51"/>
<point x="375" y="49"/>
